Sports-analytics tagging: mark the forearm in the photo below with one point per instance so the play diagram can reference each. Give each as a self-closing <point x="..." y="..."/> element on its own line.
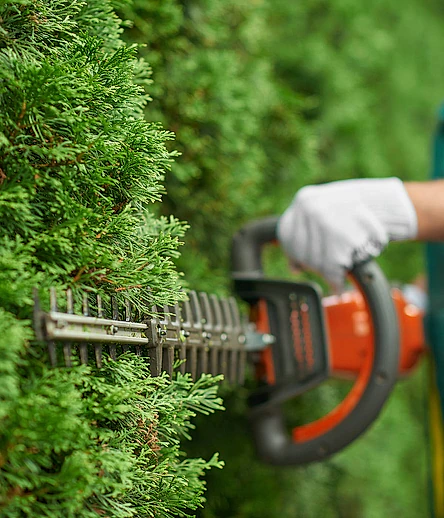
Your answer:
<point x="428" y="200"/>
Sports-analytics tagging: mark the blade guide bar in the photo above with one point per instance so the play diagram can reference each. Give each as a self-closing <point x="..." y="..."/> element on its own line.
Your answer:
<point x="203" y="333"/>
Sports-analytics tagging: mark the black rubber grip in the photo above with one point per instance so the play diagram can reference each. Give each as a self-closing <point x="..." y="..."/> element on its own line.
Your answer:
<point x="246" y="256"/>
<point x="273" y="442"/>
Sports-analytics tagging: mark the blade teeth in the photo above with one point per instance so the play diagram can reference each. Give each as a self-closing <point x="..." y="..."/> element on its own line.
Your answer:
<point x="235" y="314"/>
<point x="83" y="348"/>
<point x="187" y="314"/>
<point x="67" y="347"/>
<point x="118" y="316"/>
<point x="168" y="352"/>
<point x="98" y="355"/>
<point x="69" y="301"/>
<point x="128" y="310"/>
<point x="196" y="309"/>
<point x="208" y="325"/>
<point x="195" y="322"/>
<point x="218" y="357"/>
<point x="207" y="313"/>
<point x="115" y="316"/>
<point x="205" y="330"/>
<point x="177" y="314"/>
<point x="187" y="327"/>
<point x="217" y="312"/>
<point x="176" y="326"/>
<point x="114" y="308"/>
<point x="214" y="360"/>
<point x="202" y="366"/>
<point x="67" y="354"/>
<point x="155" y="352"/>
<point x="183" y="353"/>
<point x="240" y="357"/>
<point x="232" y="375"/>
<point x="197" y="349"/>
<point x="231" y="353"/>
<point x="155" y="357"/>
<point x="51" y="345"/>
<point x="193" y="362"/>
<point x="85" y="305"/>
<point x="99" y="307"/>
<point x="113" y="351"/>
<point x="226" y="314"/>
<point x="181" y="338"/>
<point x="52" y="353"/>
<point x="168" y="359"/>
<point x="53" y="299"/>
<point x="166" y="315"/>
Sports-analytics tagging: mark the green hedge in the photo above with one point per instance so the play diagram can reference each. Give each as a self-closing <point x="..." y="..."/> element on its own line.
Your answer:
<point x="79" y="171"/>
<point x="263" y="97"/>
<point x="213" y="90"/>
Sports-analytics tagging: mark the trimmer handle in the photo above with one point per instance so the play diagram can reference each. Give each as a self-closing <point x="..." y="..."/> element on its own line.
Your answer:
<point x="319" y="439"/>
<point x="246" y="251"/>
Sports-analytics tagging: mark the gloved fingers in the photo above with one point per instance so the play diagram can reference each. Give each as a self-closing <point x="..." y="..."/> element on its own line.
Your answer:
<point x="336" y="277"/>
<point x="317" y="243"/>
<point x="331" y="228"/>
<point x="311" y="243"/>
<point x="292" y="233"/>
<point x="339" y="252"/>
<point x="374" y="241"/>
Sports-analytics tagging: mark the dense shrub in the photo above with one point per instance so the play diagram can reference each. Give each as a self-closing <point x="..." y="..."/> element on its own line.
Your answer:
<point x="213" y="89"/>
<point x="79" y="169"/>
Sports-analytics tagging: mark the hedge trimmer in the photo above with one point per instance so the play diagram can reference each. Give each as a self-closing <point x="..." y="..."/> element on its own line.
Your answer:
<point x="294" y="339"/>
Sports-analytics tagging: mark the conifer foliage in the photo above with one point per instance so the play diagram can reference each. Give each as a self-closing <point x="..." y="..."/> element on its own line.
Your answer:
<point x="212" y="87"/>
<point x="79" y="168"/>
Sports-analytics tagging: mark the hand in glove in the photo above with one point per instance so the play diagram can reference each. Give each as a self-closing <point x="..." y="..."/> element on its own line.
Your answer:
<point x="332" y="227"/>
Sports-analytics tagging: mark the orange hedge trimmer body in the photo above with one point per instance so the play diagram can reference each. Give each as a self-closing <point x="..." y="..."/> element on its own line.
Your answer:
<point x="351" y="336"/>
<point x="372" y="336"/>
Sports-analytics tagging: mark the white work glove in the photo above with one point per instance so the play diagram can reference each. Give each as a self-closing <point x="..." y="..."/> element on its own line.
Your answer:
<point x="332" y="227"/>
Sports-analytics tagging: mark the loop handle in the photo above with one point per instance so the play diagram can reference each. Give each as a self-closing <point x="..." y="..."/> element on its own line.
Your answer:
<point x="317" y="440"/>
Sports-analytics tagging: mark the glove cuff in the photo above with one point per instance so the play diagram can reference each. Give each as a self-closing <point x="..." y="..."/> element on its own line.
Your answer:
<point x="387" y="198"/>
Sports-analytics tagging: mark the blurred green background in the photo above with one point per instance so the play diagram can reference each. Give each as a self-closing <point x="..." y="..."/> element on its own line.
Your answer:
<point x="266" y="96"/>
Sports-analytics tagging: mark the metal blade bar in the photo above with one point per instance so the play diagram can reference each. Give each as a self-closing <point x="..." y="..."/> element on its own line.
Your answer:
<point x="204" y="332"/>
